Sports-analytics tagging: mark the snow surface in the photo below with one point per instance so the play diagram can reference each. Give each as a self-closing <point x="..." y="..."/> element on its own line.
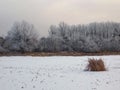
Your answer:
<point x="57" y="73"/>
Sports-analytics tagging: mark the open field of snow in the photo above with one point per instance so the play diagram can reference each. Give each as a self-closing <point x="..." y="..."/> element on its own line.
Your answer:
<point x="57" y="73"/>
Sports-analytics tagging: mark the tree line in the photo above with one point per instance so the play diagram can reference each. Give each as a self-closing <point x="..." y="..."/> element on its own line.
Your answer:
<point x="93" y="37"/>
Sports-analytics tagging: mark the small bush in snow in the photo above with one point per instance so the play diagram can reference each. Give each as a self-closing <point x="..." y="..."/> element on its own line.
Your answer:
<point x="95" y="65"/>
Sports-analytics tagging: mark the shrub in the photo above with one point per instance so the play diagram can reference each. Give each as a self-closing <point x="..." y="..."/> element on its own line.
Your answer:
<point x="95" y="65"/>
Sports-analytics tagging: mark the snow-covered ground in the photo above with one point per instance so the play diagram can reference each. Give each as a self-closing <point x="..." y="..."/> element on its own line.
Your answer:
<point x="57" y="73"/>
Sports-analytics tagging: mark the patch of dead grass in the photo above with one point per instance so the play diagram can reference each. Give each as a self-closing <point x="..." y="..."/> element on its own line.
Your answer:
<point x="96" y="65"/>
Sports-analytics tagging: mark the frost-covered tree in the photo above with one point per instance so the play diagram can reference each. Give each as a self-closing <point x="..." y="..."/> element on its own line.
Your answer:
<point x="22" y="37"/>
<point x="93" y="37"/>
<point x="2" y="49"/>
<point x="1" y="41"/>
<point x="61" y="36"/>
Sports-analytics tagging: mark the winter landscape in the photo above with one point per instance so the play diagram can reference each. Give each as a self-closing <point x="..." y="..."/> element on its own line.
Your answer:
<point x="59" y="44"/>
<point x="57" y="73"/>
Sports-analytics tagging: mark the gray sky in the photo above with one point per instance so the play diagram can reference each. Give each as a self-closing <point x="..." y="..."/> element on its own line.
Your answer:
<point x="43" y="13"/>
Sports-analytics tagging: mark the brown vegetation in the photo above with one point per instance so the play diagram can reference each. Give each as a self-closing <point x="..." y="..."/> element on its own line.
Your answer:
<point x="57" y="54"/>
<point x="96" y="65"/>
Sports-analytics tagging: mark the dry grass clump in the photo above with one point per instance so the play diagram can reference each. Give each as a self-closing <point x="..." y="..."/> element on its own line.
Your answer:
<point x="95" y="65"/>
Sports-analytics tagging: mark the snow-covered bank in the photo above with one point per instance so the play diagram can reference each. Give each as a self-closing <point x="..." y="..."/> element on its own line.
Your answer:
<point x="57" y="73"/>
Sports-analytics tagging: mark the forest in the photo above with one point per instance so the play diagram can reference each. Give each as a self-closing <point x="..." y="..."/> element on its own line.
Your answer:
<point x="87" y="38"/>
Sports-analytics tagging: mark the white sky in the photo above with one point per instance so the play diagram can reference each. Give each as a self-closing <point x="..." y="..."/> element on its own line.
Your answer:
<point x="43" y="13"/>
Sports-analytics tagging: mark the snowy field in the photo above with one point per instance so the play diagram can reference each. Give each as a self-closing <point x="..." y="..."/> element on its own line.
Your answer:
<point x="57" y="73"/>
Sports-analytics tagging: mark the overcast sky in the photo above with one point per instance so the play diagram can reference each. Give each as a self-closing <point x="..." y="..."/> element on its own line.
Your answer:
<point x="43" y="13"/>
